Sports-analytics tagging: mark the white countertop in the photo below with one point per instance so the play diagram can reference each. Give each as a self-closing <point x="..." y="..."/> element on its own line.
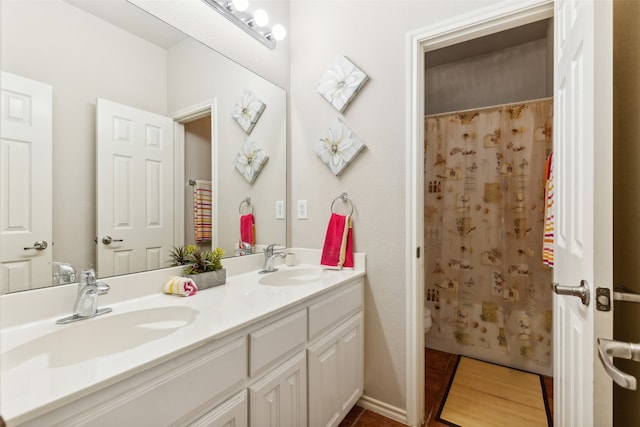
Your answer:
<point x="35" y="385"/>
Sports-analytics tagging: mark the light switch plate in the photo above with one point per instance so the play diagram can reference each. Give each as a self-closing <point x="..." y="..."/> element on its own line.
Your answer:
<point x="279" y="209"/>
<point x="302" y="209"/>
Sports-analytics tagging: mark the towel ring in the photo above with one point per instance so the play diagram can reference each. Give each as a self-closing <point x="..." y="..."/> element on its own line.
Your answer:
<point x="247" y="203"/>
<point x="345" y="199"/>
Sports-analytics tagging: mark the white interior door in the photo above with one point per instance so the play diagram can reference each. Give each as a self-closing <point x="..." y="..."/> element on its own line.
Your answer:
<point x="25" y="184"/>
<point x="135" y="196"/>
<point x="584" y="206"/>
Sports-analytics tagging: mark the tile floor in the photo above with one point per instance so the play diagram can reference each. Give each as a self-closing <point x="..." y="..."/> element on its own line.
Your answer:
<point x="438" y="372"/>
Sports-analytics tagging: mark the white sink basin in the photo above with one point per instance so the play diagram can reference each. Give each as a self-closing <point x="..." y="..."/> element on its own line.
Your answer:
<point x="99" y="336"/>
<point x="299" y="276"/>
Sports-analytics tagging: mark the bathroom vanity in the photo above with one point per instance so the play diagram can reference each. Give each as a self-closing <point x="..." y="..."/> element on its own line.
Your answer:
<point x="281" y="349"/>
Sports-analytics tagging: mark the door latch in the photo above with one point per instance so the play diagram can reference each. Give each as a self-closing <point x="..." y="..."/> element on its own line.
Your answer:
<point x="603" y="299"/>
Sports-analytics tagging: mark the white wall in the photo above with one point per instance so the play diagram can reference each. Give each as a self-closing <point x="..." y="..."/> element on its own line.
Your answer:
<point x="72" y="59"/>
<point x="515" y="74"/>
<point x="373" y="35"/>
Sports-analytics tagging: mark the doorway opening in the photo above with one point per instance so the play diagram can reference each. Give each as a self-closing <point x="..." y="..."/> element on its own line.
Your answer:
<point x="488" y="139"/>
<point x="197" y="164"/>
<point x="466" y="29"/>
<point x="196" y="160"/>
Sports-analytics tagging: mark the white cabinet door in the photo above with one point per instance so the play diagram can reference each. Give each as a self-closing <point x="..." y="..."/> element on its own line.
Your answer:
<point x="232" y="413"/>
<point x="335" y="373"/>
<point x="280" y="398"/>
<point x="26" y="228"/>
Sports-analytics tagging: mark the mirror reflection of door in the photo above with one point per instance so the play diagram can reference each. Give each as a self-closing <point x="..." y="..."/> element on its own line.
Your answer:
<point x="25" y="184"/>
<point x="135" y="196"/>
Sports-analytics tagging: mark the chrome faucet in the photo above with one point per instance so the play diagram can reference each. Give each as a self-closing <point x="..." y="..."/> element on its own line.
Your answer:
<point x="270" y="254"/>
<point x="64" y="273"/>
<point x="245" y="248"/>
<point x="86" y="305"/>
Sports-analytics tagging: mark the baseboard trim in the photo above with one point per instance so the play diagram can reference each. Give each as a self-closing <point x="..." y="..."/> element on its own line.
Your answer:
<point x="384" y="409"/>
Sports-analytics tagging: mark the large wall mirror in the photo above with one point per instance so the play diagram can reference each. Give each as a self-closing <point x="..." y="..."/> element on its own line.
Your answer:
<point x="82" y="83"/>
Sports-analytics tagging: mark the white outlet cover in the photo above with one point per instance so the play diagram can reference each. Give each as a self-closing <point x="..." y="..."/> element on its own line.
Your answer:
<point x="280" y="209"/>
<point x="302" y="209"/>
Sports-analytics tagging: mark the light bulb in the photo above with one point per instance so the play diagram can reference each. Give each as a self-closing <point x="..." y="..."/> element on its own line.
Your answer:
<point x="279" y="32"/>
<point x="240" y="5"/>
<point x="261" y="18"/>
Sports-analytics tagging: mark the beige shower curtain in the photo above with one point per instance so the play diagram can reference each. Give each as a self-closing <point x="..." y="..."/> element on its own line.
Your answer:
<point x="484" y="209"/>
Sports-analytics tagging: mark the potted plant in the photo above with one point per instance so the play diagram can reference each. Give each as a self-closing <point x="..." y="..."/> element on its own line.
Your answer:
<point x="204" y="267"/>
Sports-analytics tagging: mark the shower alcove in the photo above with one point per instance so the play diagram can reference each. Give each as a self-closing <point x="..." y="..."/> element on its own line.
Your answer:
<point x="488" y="134"/>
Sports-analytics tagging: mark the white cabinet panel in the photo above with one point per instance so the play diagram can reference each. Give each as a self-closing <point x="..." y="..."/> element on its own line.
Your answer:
<point x="279" y="399"/>
<point x="335" y="373"/>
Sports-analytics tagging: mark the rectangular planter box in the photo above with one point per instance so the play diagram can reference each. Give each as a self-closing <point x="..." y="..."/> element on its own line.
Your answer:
<point x="209" y="279"/>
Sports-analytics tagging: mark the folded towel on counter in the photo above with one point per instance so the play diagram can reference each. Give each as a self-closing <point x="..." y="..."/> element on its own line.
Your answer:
<point x="202" y="211"/>
<point x="248" y="229"/>
<point x="337" y="251"/>
<point x="180" y="286"/>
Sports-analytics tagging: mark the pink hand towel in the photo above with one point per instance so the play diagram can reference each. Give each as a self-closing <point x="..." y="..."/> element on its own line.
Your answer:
<point x="337" y="251"/>
<point x="247" y="229"/>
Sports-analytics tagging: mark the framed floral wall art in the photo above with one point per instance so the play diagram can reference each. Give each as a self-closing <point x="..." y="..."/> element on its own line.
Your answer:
<point x="341" y="82"/>
<point x="251" y="159"/>
<point x="247" y="111"/>
<point x="339" y="147"/>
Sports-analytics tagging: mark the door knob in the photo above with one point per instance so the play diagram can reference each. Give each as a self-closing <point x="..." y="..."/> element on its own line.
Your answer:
<point x="39" y="245"/>
<point x="107" y="240"/>
<point x="581" y="291"/>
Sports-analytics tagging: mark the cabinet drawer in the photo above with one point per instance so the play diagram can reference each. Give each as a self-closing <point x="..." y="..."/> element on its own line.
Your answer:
<point x="332" y="310"/>
<point x="274" y="341"/>
<point x="233" y="412"/>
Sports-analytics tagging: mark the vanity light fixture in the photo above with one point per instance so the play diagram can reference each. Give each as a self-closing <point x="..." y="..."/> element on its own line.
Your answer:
<point x="255" y="25"/>
<point x="261" y="18"/>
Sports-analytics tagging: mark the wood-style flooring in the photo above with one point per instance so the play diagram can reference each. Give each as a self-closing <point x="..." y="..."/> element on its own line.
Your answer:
<point x="439" y="369"/>
<point x="489" y="395"/>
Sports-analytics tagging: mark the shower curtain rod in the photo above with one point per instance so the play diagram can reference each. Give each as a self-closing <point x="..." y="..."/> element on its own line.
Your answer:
<point x="431" y="116"/>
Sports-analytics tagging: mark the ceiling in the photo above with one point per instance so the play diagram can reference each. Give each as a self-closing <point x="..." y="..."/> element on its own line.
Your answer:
<point x="491" y="43"/>
<point x="134" y="20"/>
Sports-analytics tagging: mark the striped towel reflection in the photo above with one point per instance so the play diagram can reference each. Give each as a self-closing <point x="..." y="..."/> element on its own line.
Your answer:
<point x="202" y="210"/>
<point x="548" y="257"/>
